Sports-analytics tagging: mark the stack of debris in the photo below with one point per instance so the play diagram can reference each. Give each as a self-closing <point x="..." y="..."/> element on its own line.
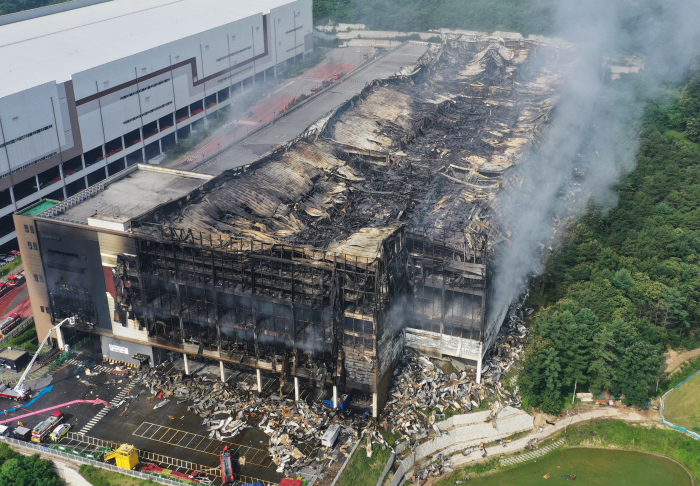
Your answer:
<point x="441" y="466"/>
<point x="422" y="392"/>
<point x="295" y="429"/>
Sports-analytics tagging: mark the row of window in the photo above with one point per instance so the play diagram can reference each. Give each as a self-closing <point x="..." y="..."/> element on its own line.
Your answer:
<point x="13" y="171"/>
<point x="234" y="53"/>
<point x="147" y="112"/>
<point x="66" y="268"/>
<point x="144" y="89"/>
<point x="10" y="142"/>
<point x="295" y="47"/>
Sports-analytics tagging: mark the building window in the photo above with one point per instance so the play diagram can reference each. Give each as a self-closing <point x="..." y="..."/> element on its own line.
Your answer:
<point x="42" y="308"/>
<point x="36" y="277"/>
<point x="29" y="244"/>
<point x="41" y="279"/>
<point x="26" y="228"/>
<point x="31" y="229"/>
<point x="10" y="142"/>
<point x="35" y="247"/>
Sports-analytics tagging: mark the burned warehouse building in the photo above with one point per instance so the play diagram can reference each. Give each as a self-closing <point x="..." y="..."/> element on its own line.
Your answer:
<point x="372" y="231"/>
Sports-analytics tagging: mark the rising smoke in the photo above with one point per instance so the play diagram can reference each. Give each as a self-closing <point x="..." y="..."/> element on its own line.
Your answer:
<point x="590" y="142"/>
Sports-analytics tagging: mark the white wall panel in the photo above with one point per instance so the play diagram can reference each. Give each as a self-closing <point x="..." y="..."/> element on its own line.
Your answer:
<point x="26" y="116"/>
<point x="90" y="123"/>
<point x="33" y="107"/>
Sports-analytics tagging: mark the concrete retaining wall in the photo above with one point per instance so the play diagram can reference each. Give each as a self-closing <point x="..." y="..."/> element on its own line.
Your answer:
<point x="462" y="431"/>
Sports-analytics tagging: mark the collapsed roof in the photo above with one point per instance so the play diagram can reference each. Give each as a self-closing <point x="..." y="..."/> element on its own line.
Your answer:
<point x="426" y="148"/>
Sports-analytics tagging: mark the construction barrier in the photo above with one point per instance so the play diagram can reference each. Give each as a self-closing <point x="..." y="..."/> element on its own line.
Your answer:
<point x="669" y="424"/>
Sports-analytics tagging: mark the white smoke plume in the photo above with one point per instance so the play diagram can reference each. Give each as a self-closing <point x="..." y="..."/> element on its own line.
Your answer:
<point x="590" y="143"/>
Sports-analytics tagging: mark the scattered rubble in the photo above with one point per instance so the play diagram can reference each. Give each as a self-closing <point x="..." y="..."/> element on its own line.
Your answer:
<point x="295" y="429"/>
<point x="421" y="391"/>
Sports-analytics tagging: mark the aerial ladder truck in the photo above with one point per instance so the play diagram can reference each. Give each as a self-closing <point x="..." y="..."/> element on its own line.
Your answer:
<point x="19" y="393"/>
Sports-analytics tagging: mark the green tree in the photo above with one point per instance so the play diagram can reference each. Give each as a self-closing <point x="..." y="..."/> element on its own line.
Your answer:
<point x="551" y="366"/>
<point x="641" y="365"/>
<point x="603" y="355"/>
<point x="675" y="312"/>
<point x="623" y="279"/>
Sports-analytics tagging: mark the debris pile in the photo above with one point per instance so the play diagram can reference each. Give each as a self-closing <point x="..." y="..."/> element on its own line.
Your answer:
<point x="295" y="429"/>
<point x="441" y="466"/>
<point x="421" y="392"/>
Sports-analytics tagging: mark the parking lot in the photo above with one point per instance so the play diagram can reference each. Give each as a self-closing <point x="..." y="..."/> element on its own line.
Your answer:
<point x="171" y="430"/>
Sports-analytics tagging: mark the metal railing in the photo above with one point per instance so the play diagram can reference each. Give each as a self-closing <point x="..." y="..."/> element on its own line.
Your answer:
<point x="135" y="474"/>
<point x="23" y="326"/>
<point x="146" y="456"/>
<point x="663" y="409"/>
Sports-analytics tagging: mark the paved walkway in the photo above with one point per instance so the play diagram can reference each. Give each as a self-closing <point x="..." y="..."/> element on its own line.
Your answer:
<point x="626" y="414"/>
<point x="65" y="470"/>
<point x="70" y="475"/>
<point x="532" y="454"/>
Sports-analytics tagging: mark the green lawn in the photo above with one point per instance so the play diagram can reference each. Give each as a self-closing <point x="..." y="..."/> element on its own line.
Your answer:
<point x="592" y="467"/>
<point x="614" y="435"/>
<point x="363" y="470"/>
<point x="9" y="268"/>
<point x="102" y="477"/>
<point x="27" y="341"/>
<point x="682" y="405"/>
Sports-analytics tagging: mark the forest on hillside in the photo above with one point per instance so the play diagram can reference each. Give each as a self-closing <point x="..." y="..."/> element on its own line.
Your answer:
<point x="625" y="283"/>
<point x="524" y="16"/>
<point x="12" y="6"/>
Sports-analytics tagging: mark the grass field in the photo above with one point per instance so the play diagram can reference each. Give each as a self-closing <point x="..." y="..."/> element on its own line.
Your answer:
<point x="615" y="436"/>
<point x="27" y="341"/>
<point x="7" y="269"/>
<point x="592" y="467"/>
<point x="682" y="405"/>
<point x="102" y="477"/>
<point x="363" y="470"/>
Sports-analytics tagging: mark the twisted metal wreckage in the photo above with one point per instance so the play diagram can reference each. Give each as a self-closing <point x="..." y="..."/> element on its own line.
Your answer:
<point x="370" y="232"/>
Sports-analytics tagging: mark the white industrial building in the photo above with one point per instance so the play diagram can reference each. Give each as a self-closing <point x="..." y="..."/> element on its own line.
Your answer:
<point x="88" y="91"/>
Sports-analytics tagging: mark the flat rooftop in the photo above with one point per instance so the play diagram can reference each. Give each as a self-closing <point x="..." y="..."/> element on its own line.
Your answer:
<point x="12" y="353"/>
<point x="39" y="207"/>
<point x="54" y="47"/>
<point x="128" y="194"/>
